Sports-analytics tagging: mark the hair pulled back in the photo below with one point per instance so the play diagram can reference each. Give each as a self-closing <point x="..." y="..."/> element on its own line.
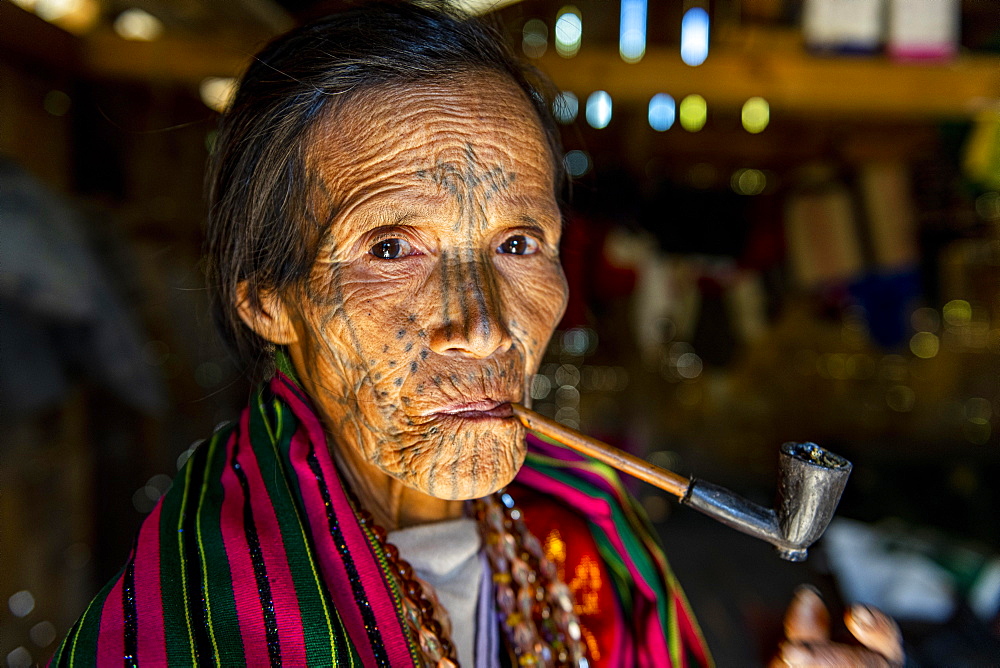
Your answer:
<point x="260" y="230"/>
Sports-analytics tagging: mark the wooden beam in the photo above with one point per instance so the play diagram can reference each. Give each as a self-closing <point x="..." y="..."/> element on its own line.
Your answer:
<point x="25" y="37"/>
<point x="793" y="82"/>
<point x="776" y="68"/>
<point x="169" y="59"/>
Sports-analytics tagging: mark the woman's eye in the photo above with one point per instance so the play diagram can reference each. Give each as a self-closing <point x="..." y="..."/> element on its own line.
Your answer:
<point x="391" y="249"/>
<point x="518" y="244"/>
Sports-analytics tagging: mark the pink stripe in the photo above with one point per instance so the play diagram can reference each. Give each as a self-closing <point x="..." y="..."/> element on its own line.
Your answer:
<point x="248" y="611"/>
<point x="331" y="565"/>
<point x="286" y="604"/>
<point x="938" y="52"/>
<point x="689" y="631"/>
<point x="554" y="451"/>
<point x="111" y="642"/>
<point x="654" y="646"/>
<point x="148" y="600"/>
<point x="369" y="572"/>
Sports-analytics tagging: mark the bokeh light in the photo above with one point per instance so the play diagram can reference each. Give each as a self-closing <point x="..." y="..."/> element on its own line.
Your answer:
<point x="21" y="603"/>
<point x="662" y="112"/>
<point x="689" y="365"/>
<point x="748" y="181"/>
<point x="568" y="31"/>
<point x="19" y="657"/>
<point x="694" y="36"/>
<point x="138" y="25"/>
<point x="693" y="113"/>
<point x="535" y="38"/>
<point x="925" y="345"/>
<point x="43" y="634"/>
<point x="75" y="16"/>
<point x="577" y="163"/>
<point x="565" y="107"/>
<point x="957" y="312"/>
<point x="540" y="386"/>
<point x="579" y="341"/>
<point x="599" y="109"/>
<point x="632" y="31"/>
<point x="756" y="114"/>
<point x="217" y="92"/>
<point x="57" y="103"/>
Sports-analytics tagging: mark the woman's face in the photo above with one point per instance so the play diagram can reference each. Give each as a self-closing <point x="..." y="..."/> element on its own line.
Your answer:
<point x="438" y="284"/>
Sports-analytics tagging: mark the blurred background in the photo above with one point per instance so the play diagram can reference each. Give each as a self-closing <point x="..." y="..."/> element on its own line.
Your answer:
<point x="784" y="225"/>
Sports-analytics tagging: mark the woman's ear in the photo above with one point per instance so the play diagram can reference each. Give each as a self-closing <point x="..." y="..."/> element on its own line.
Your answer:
<point x="270" y="319"/>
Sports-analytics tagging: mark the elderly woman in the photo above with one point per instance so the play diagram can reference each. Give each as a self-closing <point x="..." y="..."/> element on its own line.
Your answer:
<point x="384" y="231"/>
<point x="383" y="245"/>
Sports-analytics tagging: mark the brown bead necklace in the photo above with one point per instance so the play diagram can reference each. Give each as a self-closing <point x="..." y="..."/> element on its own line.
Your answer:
<point x="535" y="606"/>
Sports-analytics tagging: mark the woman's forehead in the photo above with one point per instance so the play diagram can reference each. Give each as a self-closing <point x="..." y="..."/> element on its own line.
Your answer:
<point x="476" y="124"/>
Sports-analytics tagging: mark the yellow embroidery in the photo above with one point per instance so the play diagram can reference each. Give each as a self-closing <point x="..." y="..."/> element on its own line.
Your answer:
<point x="592" y="648"/>
<point x="555" y="551"/>
<point x="585" y="585"/>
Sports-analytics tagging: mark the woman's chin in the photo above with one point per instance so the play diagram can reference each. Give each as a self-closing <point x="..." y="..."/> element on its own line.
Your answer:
<point x="476" y="465"/>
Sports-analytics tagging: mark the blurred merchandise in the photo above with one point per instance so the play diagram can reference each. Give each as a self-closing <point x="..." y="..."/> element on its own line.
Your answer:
<point x="982" y="149"/>
<point x="843" y="26"/>
<point x="945" y="594"/>
<point x="924" y="30"/>
<point x="822" y="233"/>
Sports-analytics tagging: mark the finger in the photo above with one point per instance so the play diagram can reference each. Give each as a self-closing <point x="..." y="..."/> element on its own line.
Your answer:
<point x="807" y="619"/>
<point x="876" y="630"/>
<point x="827" y="655"/>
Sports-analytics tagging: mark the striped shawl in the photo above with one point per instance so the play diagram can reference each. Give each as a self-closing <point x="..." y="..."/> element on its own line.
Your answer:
<point x="255" y="557"/>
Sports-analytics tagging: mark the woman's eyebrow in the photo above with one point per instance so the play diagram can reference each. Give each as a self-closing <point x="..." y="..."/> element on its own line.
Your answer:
<point x="532" y="223"/>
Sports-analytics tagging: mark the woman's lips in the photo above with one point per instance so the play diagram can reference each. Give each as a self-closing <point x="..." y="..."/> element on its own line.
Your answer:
<point x="477" y="410"/>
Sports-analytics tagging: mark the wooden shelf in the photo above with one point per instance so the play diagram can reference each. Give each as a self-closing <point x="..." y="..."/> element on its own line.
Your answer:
<point x="746" y="64"/>
<point x="790" y="79"/>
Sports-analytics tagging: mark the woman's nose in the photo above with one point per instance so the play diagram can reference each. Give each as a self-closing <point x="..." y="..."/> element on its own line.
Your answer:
<point x="472" y="321"/>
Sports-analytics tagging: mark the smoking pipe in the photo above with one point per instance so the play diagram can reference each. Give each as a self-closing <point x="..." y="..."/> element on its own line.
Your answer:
<point x="810" y="482"/>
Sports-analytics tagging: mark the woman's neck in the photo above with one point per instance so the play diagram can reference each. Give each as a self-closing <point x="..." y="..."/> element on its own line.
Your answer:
<point x="392" y="504"/>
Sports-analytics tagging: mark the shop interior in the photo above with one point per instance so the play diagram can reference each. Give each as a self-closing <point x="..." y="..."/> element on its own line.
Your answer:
<point x="782" y="224"/>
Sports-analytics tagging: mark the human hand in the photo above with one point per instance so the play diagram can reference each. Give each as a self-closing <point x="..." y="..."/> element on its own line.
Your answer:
<point x="807" y="636"/>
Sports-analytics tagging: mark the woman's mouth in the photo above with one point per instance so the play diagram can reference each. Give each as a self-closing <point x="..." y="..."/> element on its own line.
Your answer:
<point x="485" y="409"/>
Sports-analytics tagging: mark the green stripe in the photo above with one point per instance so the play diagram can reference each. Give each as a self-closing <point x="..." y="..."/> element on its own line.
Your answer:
<point x="220" y="603"/>
<point x="620" y="575"/>
<point x="638" y="537"/>
<point x="631" y="535"/>
<point x="83" y="648"/>
<point x="323" y="630"/>
<point x="397" y="595"/>
<point x="57" y="658"/>
<point x="173" y="571"/>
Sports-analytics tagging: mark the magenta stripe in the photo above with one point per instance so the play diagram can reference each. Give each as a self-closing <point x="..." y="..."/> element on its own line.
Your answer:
<point x="379" y="597"/>
<point x="654" y="646"/>
<point x="286" y="604"/>
<point x="330" y="562"/>
<point x="248" y="611"/>
<point x="111" y="642"/>
<point x="560" y="452"/>
<point x="148" y="599"/>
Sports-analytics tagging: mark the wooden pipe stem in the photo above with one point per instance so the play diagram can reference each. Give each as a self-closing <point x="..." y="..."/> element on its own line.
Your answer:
<point x="666" y="480"/>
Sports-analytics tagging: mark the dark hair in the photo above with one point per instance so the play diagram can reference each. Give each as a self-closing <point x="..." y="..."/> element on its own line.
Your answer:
<point x="258" y="188"/>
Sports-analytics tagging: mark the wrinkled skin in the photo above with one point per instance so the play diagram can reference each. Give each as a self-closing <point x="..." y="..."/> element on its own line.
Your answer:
<point x="435" y="290"/>
<point x="452" y="181"/>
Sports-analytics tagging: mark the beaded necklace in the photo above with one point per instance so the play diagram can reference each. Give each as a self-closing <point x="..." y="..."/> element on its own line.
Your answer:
<point x="534" y="604"/>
